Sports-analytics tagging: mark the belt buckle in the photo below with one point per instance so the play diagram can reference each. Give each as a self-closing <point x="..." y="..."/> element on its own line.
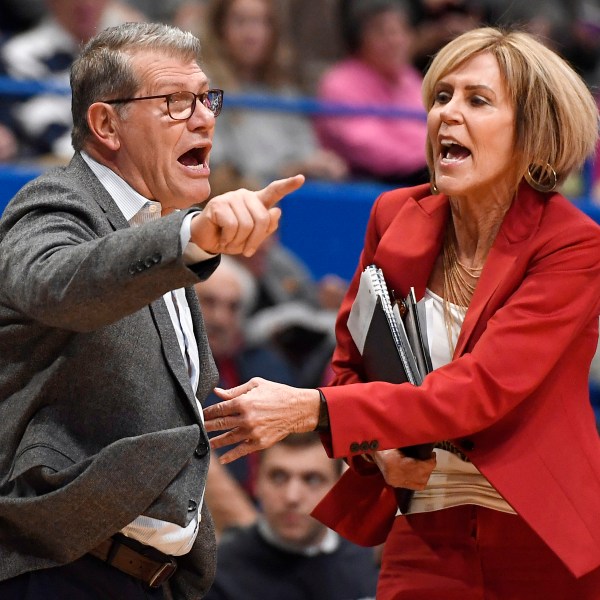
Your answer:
<point x="163" y="573"/>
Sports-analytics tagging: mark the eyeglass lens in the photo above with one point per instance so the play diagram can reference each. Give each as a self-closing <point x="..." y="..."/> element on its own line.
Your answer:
<point x="181" y="105"/>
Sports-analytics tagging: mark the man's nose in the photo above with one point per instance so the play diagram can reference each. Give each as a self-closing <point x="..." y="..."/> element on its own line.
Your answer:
<point x="294" y="491"/>
<point x="201" y="117"/>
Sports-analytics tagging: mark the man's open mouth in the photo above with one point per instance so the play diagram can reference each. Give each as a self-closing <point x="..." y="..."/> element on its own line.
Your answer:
<point x="195" y="157"/>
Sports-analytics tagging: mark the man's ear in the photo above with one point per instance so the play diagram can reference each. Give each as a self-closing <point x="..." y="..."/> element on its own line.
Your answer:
<point x="103" y="123"/>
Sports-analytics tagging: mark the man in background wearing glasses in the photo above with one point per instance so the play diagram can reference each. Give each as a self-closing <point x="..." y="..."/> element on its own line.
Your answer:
<point x="104" y="359"/>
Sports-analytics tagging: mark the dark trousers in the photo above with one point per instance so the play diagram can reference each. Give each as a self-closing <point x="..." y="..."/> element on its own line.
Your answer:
<point x="85" y="579"/>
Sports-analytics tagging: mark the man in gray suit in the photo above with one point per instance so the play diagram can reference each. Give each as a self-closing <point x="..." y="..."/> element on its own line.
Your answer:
<point x="104" y="360"/>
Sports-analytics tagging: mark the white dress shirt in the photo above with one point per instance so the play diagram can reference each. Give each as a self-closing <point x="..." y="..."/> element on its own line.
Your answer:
<point x="167" y="537"/>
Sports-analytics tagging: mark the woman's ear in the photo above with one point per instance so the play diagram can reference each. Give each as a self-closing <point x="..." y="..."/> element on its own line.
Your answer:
<point x="102" y="121"/>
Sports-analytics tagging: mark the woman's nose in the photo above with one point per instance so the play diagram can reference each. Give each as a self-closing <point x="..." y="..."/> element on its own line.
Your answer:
<point x="450" y="112"/>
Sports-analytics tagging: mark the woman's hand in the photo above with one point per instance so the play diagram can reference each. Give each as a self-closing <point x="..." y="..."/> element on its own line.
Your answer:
<point x="399" y="470"/>
<point x="259" y="413"/>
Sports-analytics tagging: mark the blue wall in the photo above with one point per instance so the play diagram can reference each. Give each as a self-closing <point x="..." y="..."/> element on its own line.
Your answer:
<point x="323" y="223"/>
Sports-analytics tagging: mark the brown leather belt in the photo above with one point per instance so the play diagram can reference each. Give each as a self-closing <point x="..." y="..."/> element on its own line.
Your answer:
<point x="135" y="559"/>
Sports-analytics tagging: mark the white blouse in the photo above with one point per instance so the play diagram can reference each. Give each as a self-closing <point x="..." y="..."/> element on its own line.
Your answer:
<point x="454" y="481"/>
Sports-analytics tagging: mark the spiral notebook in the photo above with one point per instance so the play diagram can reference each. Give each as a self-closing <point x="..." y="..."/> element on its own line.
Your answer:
<point x="392" y="343"/>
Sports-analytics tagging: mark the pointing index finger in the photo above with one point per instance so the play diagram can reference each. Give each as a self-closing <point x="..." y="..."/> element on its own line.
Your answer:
<point x="276" y="190"/>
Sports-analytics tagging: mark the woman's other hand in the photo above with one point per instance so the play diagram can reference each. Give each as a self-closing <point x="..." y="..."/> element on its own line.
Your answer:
<point x="399" y="470"/>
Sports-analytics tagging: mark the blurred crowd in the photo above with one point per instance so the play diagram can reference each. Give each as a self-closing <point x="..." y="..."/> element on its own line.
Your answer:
<point x="266" y="316"/>
<point x="363" y="53"/>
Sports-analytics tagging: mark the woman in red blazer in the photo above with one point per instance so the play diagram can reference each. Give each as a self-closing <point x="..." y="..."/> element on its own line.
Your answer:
<point x="508" y="271"/>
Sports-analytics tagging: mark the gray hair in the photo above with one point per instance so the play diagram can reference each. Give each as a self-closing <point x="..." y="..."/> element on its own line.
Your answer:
<point x="103" y="70"/>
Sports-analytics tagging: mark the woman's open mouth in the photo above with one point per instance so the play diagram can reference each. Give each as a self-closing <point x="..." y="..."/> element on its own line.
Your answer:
<point x="453" y="152"/>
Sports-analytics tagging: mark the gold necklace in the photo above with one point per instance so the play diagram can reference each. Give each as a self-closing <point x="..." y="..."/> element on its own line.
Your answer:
<point x="460" y="282"/>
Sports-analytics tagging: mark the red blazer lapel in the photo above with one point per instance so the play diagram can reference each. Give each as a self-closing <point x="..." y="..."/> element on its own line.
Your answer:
<point x="413" y="240"/>
<point x="504" y="267"/>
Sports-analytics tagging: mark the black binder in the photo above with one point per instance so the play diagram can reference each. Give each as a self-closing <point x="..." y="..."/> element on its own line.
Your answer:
<point x="391" y="341"/>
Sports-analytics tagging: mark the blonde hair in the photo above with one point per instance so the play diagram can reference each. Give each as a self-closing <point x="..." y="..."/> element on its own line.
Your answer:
<point x="556" y="115"/>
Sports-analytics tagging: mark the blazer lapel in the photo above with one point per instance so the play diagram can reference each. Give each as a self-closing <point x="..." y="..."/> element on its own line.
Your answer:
<point x="172" y="351"/>
<point x="413" y="239"/>
<point x="98" y="193"/>
<point x="208" y="369"/>
<point x="504" y="266"/>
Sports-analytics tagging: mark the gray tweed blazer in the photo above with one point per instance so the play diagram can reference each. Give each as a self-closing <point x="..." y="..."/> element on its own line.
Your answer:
<point x="98" y="421"/>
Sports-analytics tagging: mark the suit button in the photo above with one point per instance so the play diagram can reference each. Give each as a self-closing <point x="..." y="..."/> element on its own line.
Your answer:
<point x="140" y="266"/>
<point x="132" y="269"/>
<point x="374" y="445"/>
<point x="467" y="444"/>
<point x="156" y="258"/>
<point x="354" y="447"/>
<point x="148" y="262"/>
<point x="364" y="446"/>
<point x="192" y="506"/>
<point x="201" y="449"/>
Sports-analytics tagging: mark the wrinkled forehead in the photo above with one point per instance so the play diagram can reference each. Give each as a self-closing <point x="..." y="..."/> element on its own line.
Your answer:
<point x="297" y="460"/>
<point x="157" y="68"/>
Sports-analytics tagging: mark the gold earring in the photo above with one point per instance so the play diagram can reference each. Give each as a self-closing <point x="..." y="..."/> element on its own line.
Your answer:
<point x="541" y="177"/>
<point x="434" y="187"/>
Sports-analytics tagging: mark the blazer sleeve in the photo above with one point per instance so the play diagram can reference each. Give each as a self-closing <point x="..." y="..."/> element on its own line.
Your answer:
<point x="63" y="265"/>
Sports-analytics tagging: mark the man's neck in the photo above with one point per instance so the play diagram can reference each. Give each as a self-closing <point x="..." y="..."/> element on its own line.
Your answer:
<point x="327" y="542"/>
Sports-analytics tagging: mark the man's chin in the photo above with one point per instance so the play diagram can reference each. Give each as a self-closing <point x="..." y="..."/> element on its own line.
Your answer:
<point x="195" y="192"/>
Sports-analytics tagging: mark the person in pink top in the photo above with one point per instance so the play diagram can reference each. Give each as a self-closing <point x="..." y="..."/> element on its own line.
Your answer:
<point x="377" y="73"/>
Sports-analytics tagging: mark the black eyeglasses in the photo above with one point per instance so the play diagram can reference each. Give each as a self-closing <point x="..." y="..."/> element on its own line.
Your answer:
<point x="181" y="105"/>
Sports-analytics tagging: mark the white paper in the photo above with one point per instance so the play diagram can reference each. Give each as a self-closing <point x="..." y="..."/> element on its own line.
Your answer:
<point x="361" y="312"/>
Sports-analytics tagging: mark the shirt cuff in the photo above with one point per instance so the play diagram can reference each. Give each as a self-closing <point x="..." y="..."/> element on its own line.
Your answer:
<point x="192" y="253"/>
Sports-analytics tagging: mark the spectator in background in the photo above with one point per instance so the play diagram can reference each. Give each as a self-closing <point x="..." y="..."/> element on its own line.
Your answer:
<point x="229" y="505"/>
<point x="17" y="16"/>
<point x="312" y="28"/>
<point x="293" y="313"/>
<point x="570" y="27"/>
<point x="245" y="54"/>
<point x="181" y="13"/>
<point x="226" y="298"/>
<point x="280" y="277"/>
<point x="42" y="124"/>
<point x="376" y="73"/>
<point x="287" y="554"/>
<point x="436" y="22"/>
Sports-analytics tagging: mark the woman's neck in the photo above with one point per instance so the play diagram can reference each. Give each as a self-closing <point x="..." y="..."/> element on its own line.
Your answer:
<point x="476" y="227"/>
